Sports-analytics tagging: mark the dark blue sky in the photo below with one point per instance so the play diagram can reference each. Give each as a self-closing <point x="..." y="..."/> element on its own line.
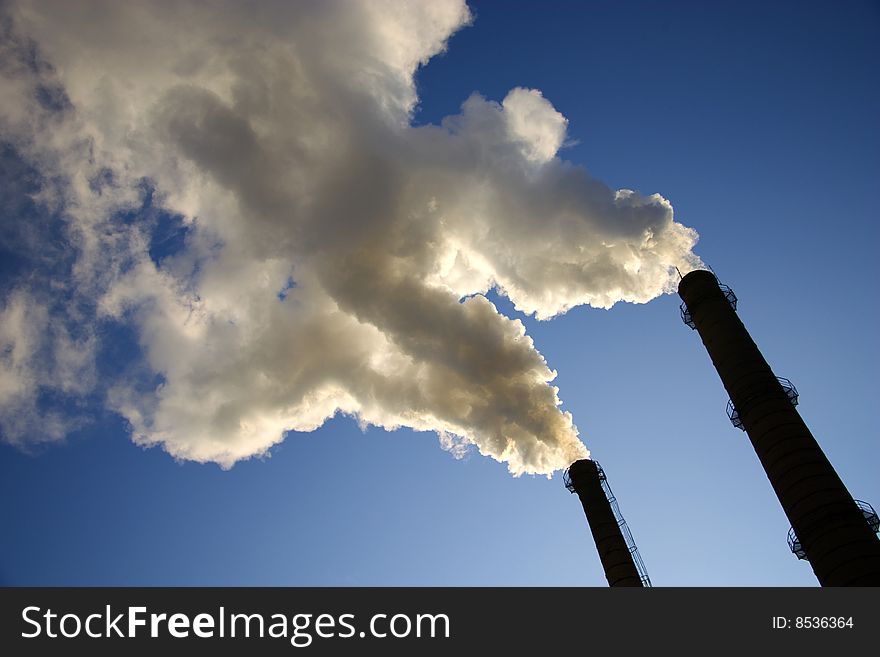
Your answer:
<point x="758" y="121"/>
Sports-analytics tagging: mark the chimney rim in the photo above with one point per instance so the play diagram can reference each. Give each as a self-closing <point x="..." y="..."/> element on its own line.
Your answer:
<point x="695" y="277"/>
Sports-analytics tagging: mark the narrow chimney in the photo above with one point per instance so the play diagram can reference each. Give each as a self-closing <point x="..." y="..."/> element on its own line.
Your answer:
<point x="617" y="551"/>
<point x="828" y="527"/>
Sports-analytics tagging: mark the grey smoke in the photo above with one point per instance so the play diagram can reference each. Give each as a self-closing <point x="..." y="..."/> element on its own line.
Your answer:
<point x="337" y="256"/>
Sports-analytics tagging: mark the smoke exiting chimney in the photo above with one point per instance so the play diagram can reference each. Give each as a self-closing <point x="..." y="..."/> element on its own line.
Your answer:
<point x="828" y="527"/>
<point x="614" y="542"/>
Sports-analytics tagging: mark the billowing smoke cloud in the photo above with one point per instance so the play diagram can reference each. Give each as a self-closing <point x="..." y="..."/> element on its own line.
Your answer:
<point x="242" y="186"/>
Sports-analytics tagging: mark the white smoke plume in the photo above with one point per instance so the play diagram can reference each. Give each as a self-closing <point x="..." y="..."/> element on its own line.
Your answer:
<point x="334" y="256"/>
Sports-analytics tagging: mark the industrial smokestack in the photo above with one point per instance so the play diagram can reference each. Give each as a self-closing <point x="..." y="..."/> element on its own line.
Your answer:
<point x="617" y="550"/>
<point x="828" y="528"/>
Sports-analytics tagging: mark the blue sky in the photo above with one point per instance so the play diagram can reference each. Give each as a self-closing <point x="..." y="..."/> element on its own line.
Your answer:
<point x="758" y="122"/>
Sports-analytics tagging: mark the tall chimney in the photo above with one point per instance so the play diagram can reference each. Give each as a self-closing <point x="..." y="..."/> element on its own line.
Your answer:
<point x="617" y="551"/>
<point x="828" y="527"/>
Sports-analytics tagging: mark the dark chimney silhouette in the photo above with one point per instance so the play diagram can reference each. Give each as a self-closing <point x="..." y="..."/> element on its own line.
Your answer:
<point x="829" y="528"/>
<point x="617" y="550"/>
